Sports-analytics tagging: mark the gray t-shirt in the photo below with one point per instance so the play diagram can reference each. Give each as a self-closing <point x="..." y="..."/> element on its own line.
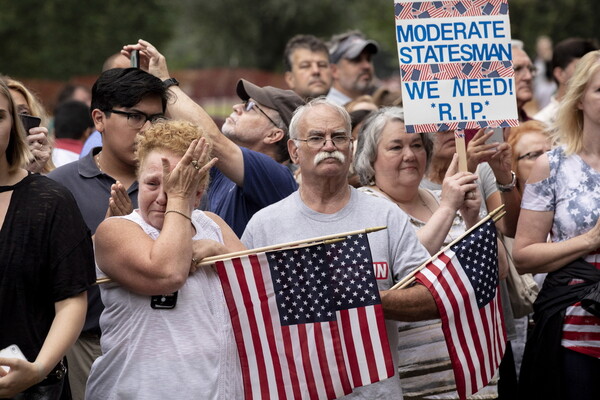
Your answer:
<point x="396" y="251"/>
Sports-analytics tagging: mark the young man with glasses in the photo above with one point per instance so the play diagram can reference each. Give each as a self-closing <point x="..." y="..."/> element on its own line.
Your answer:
<point x="124" y="102"/>
<point x="320" y="142"/>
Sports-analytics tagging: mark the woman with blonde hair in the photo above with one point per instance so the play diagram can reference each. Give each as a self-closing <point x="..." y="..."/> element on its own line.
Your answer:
<point x="561" y="199"/>
<point x="46" y="268"/>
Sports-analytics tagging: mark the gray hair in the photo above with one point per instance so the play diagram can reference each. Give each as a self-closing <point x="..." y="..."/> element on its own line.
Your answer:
<point x="369" y="138"/>
<point x="319" y="101"/>
<point x="517" y="44"/>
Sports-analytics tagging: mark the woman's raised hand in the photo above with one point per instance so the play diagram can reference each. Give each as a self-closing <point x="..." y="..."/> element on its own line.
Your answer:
<point x="457" y="187"/>
<point x="184" y="180"/>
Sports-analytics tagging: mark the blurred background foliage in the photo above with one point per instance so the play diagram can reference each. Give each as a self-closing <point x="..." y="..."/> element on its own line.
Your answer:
<point x="59" y="39"/>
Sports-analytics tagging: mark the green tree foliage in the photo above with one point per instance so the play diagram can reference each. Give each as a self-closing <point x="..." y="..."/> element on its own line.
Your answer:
<point x="62" y="38"/>
<point x="234" y="33"/>
<point x="558" y="19"/>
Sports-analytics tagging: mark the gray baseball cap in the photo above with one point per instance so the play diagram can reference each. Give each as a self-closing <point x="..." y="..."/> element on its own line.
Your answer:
<point x="283" y="101"/>
<point x="351" y="47"/>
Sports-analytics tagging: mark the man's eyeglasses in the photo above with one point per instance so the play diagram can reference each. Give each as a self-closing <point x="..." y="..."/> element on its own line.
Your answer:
<point x="522" y="68"/>
<point x="249" y="105"/>
<point x="532" y="155"/>
<point x="317" y="142"/>
<point x="137" y="119"/>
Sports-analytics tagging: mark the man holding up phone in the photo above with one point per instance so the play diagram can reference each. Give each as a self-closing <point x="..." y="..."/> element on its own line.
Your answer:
<point x="251" y="171"/>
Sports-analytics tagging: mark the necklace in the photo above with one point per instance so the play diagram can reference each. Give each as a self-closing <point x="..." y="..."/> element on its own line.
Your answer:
<point x="423" y="202"/>
<point x="97" y="159"/>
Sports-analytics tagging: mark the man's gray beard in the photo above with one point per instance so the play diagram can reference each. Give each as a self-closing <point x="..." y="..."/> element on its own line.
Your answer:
<point x="323" y="155"/>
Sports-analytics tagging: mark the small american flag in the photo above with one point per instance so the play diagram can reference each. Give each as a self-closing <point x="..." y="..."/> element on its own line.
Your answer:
<point x="308" y="321"/>
<point x="464" y="282"/>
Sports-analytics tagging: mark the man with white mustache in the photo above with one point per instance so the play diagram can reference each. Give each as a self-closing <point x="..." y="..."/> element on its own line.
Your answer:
<point x="352" y="68"/>
<point x="321" y="143"/>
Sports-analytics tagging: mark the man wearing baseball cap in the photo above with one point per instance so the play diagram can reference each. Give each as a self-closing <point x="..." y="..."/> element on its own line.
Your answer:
<point x="350" y="55"/>
<point x="249" y="174"/>
<point x="251" y="148"/>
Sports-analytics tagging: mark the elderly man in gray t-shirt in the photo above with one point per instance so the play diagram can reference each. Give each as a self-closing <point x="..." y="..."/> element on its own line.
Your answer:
<point x="325" y="204"/>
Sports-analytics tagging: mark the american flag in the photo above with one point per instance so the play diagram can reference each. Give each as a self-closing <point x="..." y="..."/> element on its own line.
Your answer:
<point x="464" y="282"/>
<point x="308" y="321"/>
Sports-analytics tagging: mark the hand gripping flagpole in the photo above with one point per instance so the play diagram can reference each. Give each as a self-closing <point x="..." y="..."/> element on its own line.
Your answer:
<point x="337" y="237"/>
<point x="410" y="278"/>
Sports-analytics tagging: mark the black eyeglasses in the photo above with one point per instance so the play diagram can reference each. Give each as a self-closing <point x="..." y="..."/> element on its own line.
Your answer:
<point x="532" y="155"/>
<point x="316" y="142"/>
<point x="249" y="105"/>
<point x="137" y="119"/>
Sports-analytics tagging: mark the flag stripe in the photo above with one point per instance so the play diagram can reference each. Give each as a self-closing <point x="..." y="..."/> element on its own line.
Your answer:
<point x="459" y="348"/>
<point x="381" y="328"/>
<point x="338" y="364"/>
<point x="457" y="315"/>
<point x="363" y="330"/>
<point x="474" y="347"/>
<point x="295" y="361"/>
<point x="306" y="364"/>
<point x="380" y="368"/>
<point x="291" y="361"/>
<point x="289" y="383"/>
<point x="235" y="315"/>
<point x="242" y="278"/>
<point x="313" y="354"/>
<point x="322" y="358"/>
<point x="352" y="357"/>
<point x="267" y="333"/>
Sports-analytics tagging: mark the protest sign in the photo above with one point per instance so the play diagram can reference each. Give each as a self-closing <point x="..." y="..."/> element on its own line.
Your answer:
<point x="455" y="64"/>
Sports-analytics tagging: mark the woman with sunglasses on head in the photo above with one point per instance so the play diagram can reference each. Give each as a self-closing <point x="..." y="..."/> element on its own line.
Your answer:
<point x="561" y="199"/>
<point x="46" y="268"/>
<point x="529" y="141"/>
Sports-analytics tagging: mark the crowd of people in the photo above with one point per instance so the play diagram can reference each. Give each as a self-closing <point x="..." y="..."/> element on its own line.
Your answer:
<point x="136" y="184"/>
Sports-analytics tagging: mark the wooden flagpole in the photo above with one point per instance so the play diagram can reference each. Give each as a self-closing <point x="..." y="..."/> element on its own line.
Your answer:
<point x="461" y="150"/>
<point x="317" y="240"/>
<point x="410" y="278"/>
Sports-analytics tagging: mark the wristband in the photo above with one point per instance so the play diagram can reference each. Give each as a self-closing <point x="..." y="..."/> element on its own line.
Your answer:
<point x="509" y="186"/>
<point x="178" y="212"/>
<point x="167" y="83"/>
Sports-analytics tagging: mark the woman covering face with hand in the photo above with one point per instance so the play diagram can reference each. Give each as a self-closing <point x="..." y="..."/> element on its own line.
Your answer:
<point x="165" y="328"/>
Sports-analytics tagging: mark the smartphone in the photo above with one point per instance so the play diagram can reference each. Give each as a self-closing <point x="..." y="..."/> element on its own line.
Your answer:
<point x="135" y="58"/>
<point x="29" y="121"/>
<point x="164" y="301"/>
<point x="11" y="351"/>
<point x="497" y="136"/>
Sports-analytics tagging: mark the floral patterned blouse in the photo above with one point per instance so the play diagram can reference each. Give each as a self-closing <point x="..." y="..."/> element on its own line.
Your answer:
<point x="572" y="191"/>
